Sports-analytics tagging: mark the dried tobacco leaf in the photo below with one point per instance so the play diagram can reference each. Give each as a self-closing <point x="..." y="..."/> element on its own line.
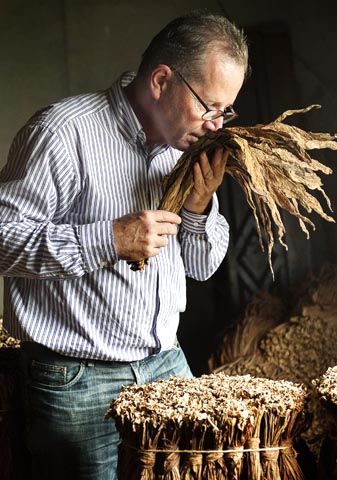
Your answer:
<point x="205" y="425"/>
<point x="325" y="386"/>
<point x="271" y="164"/>
<point x="6" y="340"/>
<point x="298" y="349"/>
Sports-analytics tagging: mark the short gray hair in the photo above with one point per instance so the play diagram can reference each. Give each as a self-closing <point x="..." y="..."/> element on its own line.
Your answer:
<point x="186" y="40"/>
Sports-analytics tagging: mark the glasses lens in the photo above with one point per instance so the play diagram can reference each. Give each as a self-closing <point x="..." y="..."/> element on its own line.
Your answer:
<point x="214" y="114"/>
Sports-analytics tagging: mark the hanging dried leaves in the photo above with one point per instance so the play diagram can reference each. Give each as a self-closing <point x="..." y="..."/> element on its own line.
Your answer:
<point x="271" y="164"/>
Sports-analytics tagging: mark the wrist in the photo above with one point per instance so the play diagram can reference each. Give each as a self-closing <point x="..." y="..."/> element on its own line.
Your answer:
<point x="199" y="209"/>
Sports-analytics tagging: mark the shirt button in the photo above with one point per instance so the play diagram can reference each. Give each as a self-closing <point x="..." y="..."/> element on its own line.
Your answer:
<point x="103" y="263"/>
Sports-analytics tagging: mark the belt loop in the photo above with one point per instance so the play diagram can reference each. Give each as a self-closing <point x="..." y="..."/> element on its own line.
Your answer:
<point x="135" y="368"/>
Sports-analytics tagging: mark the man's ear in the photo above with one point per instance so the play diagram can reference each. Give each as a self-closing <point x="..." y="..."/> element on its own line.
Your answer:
<point x="159" y="80"/>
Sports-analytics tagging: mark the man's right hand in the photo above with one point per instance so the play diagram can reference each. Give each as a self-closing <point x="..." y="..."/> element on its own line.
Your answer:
<point x="141" y="235"/>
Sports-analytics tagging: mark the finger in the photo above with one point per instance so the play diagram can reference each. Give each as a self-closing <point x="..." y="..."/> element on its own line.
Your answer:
<point x="162" y="241"/>
<point x="198" y="177"/>
<point x="219" y="162"/>
<point x="167" y="229"/>
<point x="166" y="216"/>
<point x="220" y="158"/>
<point x="205" y="166"/>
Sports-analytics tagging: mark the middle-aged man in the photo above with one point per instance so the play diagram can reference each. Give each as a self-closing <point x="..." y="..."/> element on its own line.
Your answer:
<point x="78" y="200"/>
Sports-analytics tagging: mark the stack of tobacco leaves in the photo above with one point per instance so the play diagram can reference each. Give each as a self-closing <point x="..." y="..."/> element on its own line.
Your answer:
<point x="242" y="338"/>
<point x="6" y="341"/>
<point x="326" y="386"/>
<point x="298" y="349"/>
<point x="271" y="164"/>
<point x="216" y="427"/>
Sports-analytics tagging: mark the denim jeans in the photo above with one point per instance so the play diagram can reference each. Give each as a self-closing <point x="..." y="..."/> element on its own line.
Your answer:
<point x="65" y="402"/>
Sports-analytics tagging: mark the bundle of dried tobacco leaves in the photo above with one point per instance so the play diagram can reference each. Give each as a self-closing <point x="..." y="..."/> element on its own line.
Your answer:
<point x="242" y="338"/>
<point x="271" y="164"/>
<point x="211" y="428"/>
<point x="6" y="340"/>
<point x="297" y="348"/>
<point x="326" y="386"/>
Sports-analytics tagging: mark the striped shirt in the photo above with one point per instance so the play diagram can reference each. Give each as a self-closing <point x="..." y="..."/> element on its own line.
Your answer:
<point x="73" y="168"/>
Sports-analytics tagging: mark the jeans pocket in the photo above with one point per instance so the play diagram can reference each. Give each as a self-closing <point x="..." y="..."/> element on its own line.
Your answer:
<point x="52" y="375"/>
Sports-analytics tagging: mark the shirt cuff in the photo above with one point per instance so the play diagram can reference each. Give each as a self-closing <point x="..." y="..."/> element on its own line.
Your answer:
<point x="97" y="246"/>
<point x="193" y="222"/>
<point x="199" y="224"/>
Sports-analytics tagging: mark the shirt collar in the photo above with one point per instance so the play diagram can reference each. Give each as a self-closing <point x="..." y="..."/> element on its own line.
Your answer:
<point x="127" y="121"/>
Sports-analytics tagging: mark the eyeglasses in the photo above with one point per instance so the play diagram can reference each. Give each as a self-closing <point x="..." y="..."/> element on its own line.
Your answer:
<point x="211" y="113"/>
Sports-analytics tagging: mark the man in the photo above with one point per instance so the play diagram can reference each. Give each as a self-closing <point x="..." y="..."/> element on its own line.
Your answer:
<point x="78" y="203"/>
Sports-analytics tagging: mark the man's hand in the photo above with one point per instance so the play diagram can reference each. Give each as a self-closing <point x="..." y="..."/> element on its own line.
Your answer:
<point x="142" y="234"/>
<point x="207" y="178"/>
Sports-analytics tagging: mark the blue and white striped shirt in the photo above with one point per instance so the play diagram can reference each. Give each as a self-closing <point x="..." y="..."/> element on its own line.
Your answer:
<point x="77" y="165"/>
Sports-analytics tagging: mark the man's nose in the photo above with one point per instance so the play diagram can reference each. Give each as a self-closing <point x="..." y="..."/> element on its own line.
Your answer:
<point x="214" y="125"/>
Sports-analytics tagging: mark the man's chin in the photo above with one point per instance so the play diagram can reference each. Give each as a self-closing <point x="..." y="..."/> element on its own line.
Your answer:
<point x="186" y="144"/>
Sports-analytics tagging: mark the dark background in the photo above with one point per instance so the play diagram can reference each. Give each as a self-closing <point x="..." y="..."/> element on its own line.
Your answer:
<point x="52" y="49"/>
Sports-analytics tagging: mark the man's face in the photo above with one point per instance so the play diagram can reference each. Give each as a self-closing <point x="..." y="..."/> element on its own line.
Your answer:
<point x="179" y="116"/>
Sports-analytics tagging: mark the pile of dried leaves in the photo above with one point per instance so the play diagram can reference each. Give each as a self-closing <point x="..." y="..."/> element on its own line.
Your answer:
<point x="242" y="339"/>
<point x="271" y="164"/>
<point x="298" y="347"/>
<point x="6" y="341"/>
<point x="213" y="427"/>
<point x="326" y="386"/>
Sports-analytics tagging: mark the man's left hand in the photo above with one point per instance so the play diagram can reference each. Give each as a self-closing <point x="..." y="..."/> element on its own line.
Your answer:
<point x="208" y="176"/>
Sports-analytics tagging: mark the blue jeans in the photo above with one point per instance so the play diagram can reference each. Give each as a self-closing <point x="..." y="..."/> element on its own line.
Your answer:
<point x="65" y="402"/>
